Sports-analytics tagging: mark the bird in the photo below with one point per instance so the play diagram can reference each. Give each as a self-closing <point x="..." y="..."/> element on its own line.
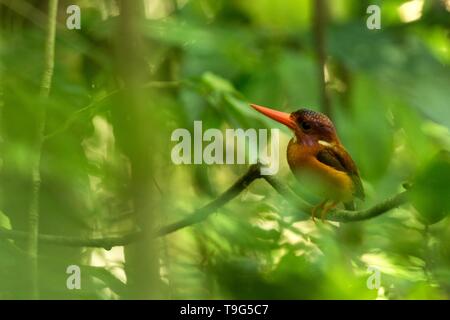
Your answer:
<point x="317" y="157"/>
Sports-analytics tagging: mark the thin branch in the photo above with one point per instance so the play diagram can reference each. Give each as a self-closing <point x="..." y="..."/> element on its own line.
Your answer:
<point x="337" y="215"/>
<point x="284" y="190"/>
<point x="104" y="242"/>
<point x="201" y="214"/>
<point x="46" y="82"/>
<point x="204" y="212"/>
<point x="33" y="214"/>
<point x="108" y="242"/>
<point x="91" y="106"/>
<point x="374" y="211"/>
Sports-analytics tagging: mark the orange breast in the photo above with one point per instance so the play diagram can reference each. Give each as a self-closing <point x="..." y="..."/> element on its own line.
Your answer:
<point x="330" y="183"/>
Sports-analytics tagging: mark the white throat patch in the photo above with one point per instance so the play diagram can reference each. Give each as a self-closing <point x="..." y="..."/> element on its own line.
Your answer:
<point x="325" y="144"/>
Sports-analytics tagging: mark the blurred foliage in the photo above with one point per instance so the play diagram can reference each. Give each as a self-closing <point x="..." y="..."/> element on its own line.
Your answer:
<point x="121" y="86"/>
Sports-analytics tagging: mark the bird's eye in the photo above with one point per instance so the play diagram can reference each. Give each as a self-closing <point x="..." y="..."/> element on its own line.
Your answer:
<point x="306" y="126"/>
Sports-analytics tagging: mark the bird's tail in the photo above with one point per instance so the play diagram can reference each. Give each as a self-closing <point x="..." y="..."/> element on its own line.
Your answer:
<point x="349" y="206"/>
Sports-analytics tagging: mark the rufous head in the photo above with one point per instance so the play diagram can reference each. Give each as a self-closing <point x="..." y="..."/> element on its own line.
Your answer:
<point x="309" y="126"/>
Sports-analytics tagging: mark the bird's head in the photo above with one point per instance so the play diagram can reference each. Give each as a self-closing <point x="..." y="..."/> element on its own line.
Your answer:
<point x="309" y="126"/>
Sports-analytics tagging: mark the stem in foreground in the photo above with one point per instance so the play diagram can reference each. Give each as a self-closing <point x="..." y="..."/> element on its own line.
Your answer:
<point x="33" y="215"/>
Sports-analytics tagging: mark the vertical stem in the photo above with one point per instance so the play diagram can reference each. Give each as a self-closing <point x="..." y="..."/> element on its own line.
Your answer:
<point x="46" y="81"/>
<point x="320" y="21"/>
<point x="33" y="215"/>
<point x="135" y="114"/>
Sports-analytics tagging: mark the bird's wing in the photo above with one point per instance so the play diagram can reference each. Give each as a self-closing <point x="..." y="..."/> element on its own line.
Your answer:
<point x="339" y="159"/>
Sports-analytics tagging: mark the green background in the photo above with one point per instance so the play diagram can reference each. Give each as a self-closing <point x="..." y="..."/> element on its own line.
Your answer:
<point x="137" y="70"/>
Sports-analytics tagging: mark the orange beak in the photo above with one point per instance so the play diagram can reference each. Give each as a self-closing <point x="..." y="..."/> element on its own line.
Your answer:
<point x="281" y="117"/>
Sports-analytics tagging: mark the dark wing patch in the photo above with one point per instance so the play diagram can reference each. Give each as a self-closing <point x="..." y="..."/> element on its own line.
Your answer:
<point x="328" y="157"/>
<point x="359" y="189"/>
<point x="339" y="159"/>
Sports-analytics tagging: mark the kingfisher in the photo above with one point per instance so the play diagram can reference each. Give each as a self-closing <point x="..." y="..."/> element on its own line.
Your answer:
<point x="317" y="158"/>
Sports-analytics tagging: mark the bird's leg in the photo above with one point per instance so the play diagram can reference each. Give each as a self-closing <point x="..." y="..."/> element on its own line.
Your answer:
<point x="318" y="207"/>
<point x="327" y="208"/>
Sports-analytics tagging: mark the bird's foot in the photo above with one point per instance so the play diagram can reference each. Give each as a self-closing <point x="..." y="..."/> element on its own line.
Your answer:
<point x="329" y="206"/>
<point x="315" y="209"/>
